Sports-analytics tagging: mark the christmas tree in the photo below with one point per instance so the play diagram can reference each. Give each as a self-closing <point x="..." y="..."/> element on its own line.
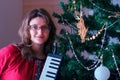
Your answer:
<point x="89" y="39"/>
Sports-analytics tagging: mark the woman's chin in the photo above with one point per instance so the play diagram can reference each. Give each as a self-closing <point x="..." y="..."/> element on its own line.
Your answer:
<point x="39" y="43"/>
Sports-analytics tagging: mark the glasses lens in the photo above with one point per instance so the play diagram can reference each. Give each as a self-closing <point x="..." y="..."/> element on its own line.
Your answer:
<point x="43" y="28"/>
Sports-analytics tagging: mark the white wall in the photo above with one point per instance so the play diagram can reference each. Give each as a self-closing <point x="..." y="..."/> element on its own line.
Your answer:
<point x="10" y="21"/>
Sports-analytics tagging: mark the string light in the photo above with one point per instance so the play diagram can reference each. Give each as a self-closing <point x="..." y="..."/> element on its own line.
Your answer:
<point x="97" y="34"/>
<point x="116" y="14"/>
<point x="80" y="16"/>
<point x="98" y="61"/>
<point x="74" y="6"/>
<point x="113" y="56"/>
<point x="91" y="67"/>
<point x="111" y="12"/>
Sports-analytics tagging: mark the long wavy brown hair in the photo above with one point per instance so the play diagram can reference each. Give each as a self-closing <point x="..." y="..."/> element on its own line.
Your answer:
<point x="25" y="44"/>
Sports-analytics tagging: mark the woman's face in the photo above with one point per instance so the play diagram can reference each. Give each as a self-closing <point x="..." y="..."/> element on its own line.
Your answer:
<point x="39" y="31"/>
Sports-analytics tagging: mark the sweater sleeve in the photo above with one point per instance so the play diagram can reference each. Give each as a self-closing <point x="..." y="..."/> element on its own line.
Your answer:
<point x="5" y="54"/>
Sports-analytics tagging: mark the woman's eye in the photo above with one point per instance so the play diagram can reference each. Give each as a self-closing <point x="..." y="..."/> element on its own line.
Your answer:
<point x="43" y="28"/>
<point x="34" y="27"/>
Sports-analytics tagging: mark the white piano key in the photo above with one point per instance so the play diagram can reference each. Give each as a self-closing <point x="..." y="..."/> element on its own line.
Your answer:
<point x="55" y="62"/>
<point x="47" y="78"/>
<point x="53" y="75"/>
<point x="54" y="66"/>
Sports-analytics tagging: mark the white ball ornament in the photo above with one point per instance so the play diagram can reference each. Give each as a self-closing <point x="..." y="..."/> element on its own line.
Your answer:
<point x="102" y="73"/>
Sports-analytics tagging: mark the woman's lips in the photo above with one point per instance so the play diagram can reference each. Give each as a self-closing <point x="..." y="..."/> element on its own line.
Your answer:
<point x="39" y="37"/>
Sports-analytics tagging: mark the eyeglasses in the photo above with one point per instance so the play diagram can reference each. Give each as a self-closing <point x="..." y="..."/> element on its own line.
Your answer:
<point x="43" y="28"/>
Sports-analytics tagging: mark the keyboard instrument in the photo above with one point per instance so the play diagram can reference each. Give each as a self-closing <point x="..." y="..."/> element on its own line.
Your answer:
<point x="51" y="67"/>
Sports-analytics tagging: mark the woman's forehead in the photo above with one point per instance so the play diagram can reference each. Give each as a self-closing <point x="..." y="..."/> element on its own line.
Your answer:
<point x="38" y="20"/>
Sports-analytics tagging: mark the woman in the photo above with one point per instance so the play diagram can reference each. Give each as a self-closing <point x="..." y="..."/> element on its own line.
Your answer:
<point x="25" y="60"/>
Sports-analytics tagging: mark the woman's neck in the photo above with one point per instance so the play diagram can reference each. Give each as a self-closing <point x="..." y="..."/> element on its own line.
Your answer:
<point x="39" y="51"/>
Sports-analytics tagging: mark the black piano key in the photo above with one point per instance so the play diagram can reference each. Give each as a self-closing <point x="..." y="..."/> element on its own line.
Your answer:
<point x="51" y="72"/>
<point x="53" y="67"/>
<point x="55" y="60"/>
<point x="54" y="63"/>
<point x="50" y="76"/>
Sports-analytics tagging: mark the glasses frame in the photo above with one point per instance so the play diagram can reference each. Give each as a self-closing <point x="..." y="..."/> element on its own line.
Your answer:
<point x="36" y="28"/>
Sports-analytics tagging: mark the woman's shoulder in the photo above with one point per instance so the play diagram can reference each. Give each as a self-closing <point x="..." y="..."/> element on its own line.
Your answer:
<point x="9" y="50"/>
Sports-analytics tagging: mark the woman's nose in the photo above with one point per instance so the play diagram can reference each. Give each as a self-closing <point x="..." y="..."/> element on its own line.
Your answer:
<point x="40" y="31"/>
